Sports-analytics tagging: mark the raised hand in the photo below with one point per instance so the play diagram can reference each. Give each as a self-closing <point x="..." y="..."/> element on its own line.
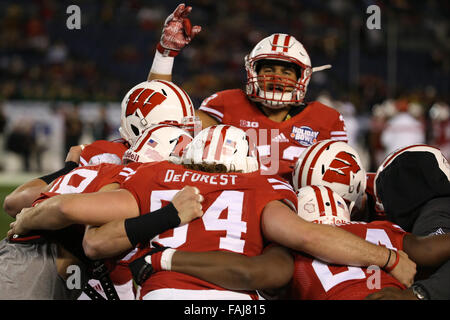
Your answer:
<point x="177" y="32"/>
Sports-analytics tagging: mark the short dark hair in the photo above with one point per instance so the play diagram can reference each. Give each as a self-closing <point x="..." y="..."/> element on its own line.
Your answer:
<point x="209" y="167"/>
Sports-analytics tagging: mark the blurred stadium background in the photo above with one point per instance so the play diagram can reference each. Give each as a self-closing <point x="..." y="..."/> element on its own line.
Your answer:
<point x="60" y="87"/>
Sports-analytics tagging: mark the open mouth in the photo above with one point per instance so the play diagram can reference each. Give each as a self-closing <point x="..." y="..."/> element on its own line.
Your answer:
<point x="275" y="87"/>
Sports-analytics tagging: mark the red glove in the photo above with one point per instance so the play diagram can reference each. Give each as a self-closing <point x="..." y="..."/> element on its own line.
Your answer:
<point x="177" y="32"/>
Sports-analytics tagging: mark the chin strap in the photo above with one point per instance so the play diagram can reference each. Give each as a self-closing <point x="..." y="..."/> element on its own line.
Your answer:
<point x="321" y="68"/>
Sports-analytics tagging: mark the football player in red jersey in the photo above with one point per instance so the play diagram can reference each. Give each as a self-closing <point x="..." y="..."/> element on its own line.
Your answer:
<point x="272" y="106"/>
<point x="164" y="142"/>
<point x="226" y="224"/>
<point x="145" y="104"/>
<point x="306" y="277"/>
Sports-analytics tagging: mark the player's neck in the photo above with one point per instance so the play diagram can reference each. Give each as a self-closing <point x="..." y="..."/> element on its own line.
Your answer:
<point x="277" y="115"/>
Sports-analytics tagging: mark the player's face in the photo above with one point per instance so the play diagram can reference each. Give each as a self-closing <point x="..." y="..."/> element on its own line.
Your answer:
<point x="273" y="78"/>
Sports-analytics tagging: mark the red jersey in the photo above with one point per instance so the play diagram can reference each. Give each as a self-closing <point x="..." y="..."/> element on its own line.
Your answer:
<point x="317" y="280"/>
<point x="279" y="143"/>
<point x="88" y="179"/>
<point x="91" y="179"/>
<point x="232" y="206"/>
<point x="81" y="180"/>
<point x="102" y="151"/>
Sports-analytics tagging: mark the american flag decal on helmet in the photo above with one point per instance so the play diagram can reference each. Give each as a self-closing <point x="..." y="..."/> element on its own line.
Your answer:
<point x="152" y="143"/>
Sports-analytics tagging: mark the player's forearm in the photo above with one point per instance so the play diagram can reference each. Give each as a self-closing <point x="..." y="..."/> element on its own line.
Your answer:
<point x="221" y="268"/>
<point x="207" y="120"/>
<point x="106" y="241"/>
<point x="161" y="68"/>
<point x="234" y="271"/>
<point x="47" y="215"/>
<point x="335" y="245"/>
<point x="325" y="242"/>
<point x="157" y="76"/>
<point x="430" y="251"/>
<point x="96" y="208"/>
<point x="23" y="196"/>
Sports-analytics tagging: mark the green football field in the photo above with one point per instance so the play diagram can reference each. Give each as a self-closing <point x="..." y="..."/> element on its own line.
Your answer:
<point x="5" y="220"/>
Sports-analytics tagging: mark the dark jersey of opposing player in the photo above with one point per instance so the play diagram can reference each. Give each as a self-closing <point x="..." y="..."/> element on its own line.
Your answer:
<point x="316" y="280"/>
<point x="232" y="206"/>
<point x="315" y="123"/>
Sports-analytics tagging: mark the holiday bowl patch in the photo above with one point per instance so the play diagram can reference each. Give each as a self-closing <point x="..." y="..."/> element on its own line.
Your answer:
<point x="304" y="135"/>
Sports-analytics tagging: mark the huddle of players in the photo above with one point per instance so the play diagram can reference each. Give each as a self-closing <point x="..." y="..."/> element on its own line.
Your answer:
<point x="329" y="185"/>
<point x="327" y="177"/>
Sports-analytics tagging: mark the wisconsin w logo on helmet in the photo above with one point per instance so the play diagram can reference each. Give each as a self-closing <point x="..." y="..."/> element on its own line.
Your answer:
<point x="144" y="100"/>
<point x="152" y="102"/>
<point x="333" y="164"/>
<point x="340" y="169"/>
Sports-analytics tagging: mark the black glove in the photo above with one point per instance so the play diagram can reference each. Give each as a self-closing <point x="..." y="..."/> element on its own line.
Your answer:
<point x="141" y="268"/>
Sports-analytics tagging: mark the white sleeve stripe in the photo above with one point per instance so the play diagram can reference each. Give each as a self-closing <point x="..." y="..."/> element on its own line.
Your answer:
<point x="215" y="117"/>
<point x="209" y="110"/>
<point x="272" y="180"/>
<point x="124" y="174"/>
<point x="280" y="186"/>
<point x="339" y="138"/>
<point x="128" y="169"/>
<point x="83" y="162"/>
<point x="338" y="132"/>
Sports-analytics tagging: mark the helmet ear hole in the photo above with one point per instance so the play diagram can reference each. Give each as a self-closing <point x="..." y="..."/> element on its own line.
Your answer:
<point x="135" y="130"/>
